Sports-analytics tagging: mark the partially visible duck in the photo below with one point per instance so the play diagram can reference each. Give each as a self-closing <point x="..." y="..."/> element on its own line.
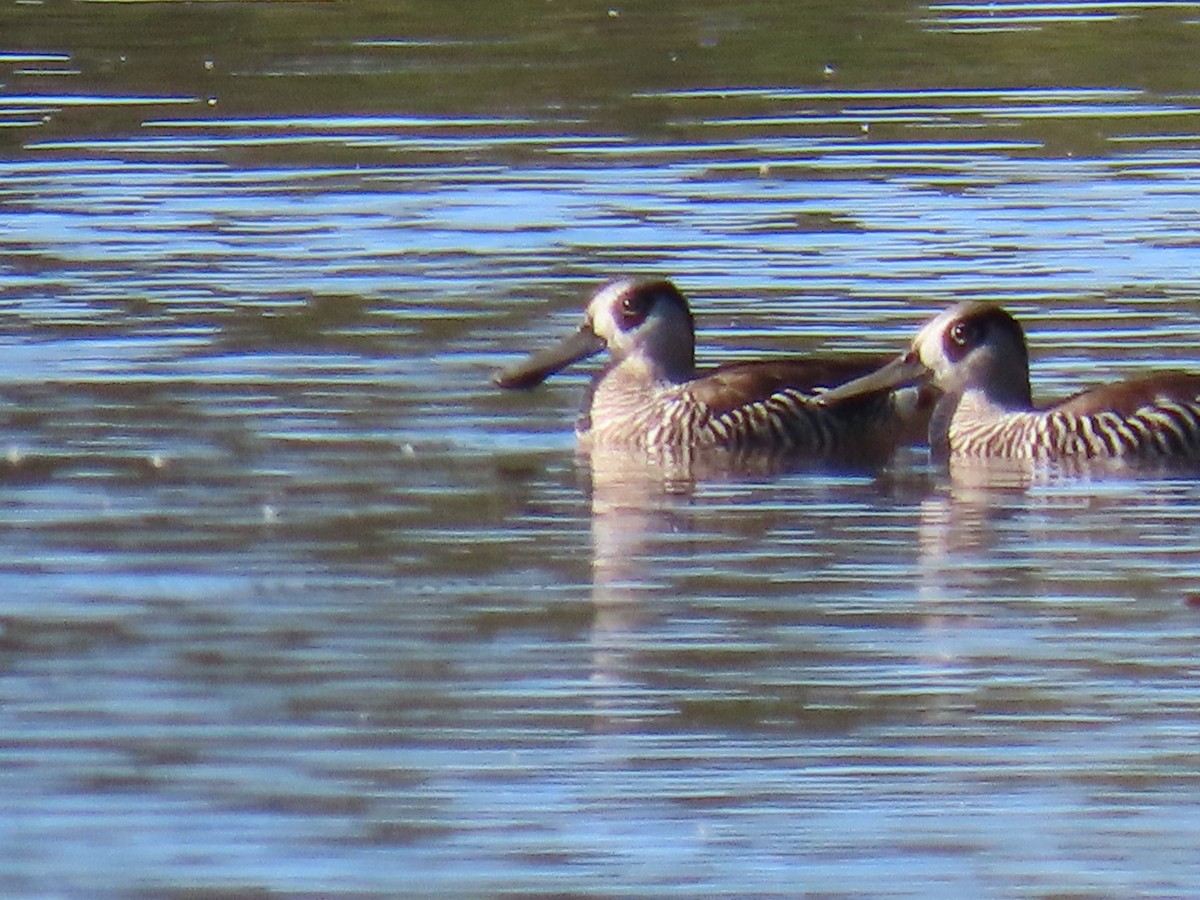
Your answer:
<point x="975" y="354"/>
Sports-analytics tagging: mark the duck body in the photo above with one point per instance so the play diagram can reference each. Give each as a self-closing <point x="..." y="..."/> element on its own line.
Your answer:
<point x="651" y="395"/>
<point x="975" y="355"/>
<point x="1157" y="416"/>
<point x="742" y="406"/>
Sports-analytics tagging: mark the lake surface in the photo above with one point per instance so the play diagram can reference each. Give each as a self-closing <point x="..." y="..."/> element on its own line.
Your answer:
<point x="294" y="603"/>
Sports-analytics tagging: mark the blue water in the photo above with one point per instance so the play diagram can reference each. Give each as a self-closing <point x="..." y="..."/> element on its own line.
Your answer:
<point x="295" y="602"/>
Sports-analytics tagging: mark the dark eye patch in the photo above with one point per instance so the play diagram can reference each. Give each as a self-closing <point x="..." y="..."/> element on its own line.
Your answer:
<point x="634" y="309"/>
<point x="962" y="337"/>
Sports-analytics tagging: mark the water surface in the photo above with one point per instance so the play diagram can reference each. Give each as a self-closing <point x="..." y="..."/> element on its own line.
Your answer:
<point x="295" y="603"/>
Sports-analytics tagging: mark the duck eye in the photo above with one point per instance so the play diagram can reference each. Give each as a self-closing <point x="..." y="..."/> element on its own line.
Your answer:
<point x="963" y="334"/>
<point x="962" y="337"/>
<point x="633" y="310"/>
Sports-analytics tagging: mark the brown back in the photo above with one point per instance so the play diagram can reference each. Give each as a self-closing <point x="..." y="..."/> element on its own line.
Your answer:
<point x="738" y="384"/>
<point x="1127" y="397"/>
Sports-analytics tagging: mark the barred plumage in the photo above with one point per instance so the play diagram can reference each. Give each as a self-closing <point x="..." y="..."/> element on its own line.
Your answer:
<point x="975" y="354"/>
<point x="651" y="395"/>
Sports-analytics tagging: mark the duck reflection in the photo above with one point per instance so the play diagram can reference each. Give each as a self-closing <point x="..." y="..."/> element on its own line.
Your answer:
<point x="958" y="524"/>
<point x="638" y="498"/>
<point x="992" y="525"/>
<point x="657" y="523"/>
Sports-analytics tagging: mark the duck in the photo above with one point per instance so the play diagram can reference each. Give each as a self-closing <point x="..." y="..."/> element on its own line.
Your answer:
<point x="651" y="395"/>
<point x="976" y="356"/>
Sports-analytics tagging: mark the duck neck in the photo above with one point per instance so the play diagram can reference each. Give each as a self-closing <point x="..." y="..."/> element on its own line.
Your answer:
<point x="671" y="369"/>
<point x="972" y="405"/>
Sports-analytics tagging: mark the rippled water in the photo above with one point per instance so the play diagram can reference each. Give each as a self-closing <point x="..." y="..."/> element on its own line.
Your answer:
<point x="293" y="602"/>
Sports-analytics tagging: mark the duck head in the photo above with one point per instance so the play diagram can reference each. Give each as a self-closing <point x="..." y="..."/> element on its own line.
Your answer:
<point x="644" y="323"/>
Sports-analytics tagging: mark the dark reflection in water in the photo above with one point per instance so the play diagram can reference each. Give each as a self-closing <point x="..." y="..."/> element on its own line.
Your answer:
<point x="293" y="602"/>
